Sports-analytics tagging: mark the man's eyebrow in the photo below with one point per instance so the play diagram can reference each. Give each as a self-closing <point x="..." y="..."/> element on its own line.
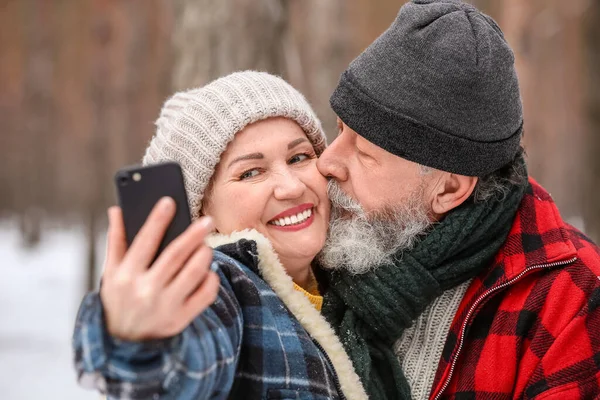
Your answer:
<point x="296" y="142"/>
<point x="251" y="156"/>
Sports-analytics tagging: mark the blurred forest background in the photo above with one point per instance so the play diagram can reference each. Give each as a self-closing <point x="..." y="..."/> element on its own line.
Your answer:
<point x="81" y="82"/>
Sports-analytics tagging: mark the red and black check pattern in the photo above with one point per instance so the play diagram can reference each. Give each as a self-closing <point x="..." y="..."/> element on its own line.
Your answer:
<point x="531" y="324"/>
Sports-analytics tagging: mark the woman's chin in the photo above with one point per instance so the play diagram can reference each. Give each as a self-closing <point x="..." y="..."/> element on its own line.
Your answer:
<point x="301" y="241"/>
<point x="299" y="249"/>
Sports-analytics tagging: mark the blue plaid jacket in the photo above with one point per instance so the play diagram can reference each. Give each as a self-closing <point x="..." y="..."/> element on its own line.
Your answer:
<point x="246" y="345"/>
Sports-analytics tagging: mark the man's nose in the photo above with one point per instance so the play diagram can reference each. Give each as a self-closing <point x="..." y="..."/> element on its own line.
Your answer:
<point x="331" y="162"/>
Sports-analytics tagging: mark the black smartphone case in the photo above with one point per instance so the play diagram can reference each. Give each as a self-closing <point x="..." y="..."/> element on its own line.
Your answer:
<point x="138" y="197"/>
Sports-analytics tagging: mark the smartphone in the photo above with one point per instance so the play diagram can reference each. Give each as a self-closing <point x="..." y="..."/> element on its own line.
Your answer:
<point x="139" y="189"/>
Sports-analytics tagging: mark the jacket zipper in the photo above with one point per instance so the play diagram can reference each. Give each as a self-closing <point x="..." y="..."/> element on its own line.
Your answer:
<point x="476" y="304"/>
<point x="336" y="380"/>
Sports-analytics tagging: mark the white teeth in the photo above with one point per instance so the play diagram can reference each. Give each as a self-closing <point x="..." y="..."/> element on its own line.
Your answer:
<point x="294" y="219"/>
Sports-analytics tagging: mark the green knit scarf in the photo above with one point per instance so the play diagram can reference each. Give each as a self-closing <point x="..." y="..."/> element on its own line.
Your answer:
<point x="371" y="311"/>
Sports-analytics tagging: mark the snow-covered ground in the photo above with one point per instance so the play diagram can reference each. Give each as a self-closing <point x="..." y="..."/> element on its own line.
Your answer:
<point x="40" y="291"/>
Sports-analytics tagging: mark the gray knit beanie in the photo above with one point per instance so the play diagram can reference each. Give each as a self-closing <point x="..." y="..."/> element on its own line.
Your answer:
<point x="438" y="88"/>
<point x="195" y="126"/>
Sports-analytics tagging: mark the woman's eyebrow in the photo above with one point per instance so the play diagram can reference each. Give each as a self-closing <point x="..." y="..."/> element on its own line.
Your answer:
<point x="251" y="156"/>
<point x="296" y="142"/>
<point x="260" y="156"/>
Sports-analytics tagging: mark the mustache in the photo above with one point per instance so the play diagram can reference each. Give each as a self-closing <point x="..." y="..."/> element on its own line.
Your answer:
<point x="342" y="201"/>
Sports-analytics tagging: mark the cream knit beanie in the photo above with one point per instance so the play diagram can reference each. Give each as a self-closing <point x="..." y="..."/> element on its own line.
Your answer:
<point x="195" y="126"/>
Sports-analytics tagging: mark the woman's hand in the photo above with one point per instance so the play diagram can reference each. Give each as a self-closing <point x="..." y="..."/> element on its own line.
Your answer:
<point x="144" y="300"/>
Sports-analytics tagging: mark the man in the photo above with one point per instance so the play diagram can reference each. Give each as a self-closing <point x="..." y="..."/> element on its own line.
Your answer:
<point x="453" y="274"/>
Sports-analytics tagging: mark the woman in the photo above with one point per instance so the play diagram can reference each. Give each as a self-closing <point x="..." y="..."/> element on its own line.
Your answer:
<point x="247" y="144"/>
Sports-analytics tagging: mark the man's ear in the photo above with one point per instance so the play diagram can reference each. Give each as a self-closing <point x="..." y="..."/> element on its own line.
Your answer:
<point x="451" y="191"/>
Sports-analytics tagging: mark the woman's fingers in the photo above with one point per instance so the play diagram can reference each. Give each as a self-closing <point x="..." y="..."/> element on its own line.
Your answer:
<point x="191" y="276"/>
<point x="116" y="245"/>
<point x="146" y="242"/>
<point x="201" y="298"/>
<point x="175" y="255"/>
<point x="136" y="306"/>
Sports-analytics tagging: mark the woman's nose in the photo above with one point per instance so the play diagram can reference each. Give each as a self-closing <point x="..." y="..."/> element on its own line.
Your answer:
<point x="289" y="186"/>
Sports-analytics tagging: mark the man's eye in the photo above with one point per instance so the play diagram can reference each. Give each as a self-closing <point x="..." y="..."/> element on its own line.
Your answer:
<point x="249" y="174"/>
<point x="362" y="153"/>
<point x="298" y="158"/>
<point x="366" y="157"/>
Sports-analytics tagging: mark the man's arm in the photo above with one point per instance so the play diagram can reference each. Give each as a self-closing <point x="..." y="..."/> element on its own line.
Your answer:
<point x="570" y="369"/>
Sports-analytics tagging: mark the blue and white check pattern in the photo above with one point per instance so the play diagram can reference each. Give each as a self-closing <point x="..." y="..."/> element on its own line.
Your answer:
<point x="246" y="345"/>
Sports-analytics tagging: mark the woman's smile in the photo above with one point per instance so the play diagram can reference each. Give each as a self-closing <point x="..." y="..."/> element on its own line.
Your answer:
<point x="294" y="219"/>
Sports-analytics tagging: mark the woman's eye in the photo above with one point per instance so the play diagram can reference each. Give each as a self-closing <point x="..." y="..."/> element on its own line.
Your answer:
<point x="298" y="158"/>
<point x="249" y="174"/>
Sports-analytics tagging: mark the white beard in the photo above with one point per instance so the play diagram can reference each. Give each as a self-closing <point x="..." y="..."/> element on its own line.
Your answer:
<point x="360" y="242"/>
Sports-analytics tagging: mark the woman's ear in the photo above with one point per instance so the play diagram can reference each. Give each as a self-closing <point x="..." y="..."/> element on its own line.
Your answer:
<point x="451" y="191"/>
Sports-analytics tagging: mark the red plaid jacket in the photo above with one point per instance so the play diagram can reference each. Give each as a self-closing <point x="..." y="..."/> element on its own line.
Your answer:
<point x="530" y="326"/>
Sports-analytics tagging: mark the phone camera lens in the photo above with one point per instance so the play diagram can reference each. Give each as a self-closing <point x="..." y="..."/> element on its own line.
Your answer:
<point x="123" y="180"/>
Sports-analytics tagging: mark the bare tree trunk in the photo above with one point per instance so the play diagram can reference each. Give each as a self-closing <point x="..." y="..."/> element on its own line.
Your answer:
<point x="12" y="66"/>
<point x="547" y="39"/>
<point x="592" y="200"/>
<point x="319" y="47"/>
<point x="30" y="225"/>
<point x="91" y="232"/>
<point x="214" y="38"/>
<point x="307" y="42"/>
<point x="100" y="90"/>
<point x="35" y="167"/>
